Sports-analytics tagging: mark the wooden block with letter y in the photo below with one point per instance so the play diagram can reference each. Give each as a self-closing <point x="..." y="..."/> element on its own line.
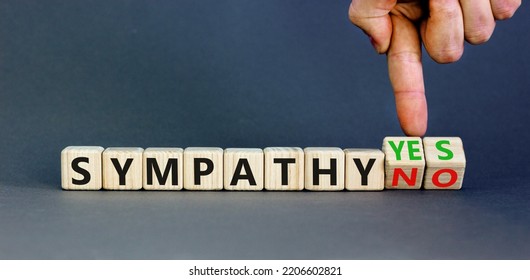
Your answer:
<point x="365" y="170"/>
<point x="404" y="162"/>
<point x="163" y="169"/>
<point x="445" y="163"/>
<point x="122" y="168"/>
<point x="203" y="169"/>
<point x="243" y="169"/>
<point x="81" y="168"/>
<point x="324" y="169"/>
<point x="284" y="169"/>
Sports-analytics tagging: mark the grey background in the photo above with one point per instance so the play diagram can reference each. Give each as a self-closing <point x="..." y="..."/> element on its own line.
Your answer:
<point x="247" y="74"/>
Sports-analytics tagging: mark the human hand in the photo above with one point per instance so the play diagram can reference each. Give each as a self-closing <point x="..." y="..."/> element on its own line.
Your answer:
<point x="398" y="28"/>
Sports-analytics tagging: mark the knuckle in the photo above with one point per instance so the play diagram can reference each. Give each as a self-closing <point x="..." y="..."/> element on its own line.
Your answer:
<point x="447" y="55"/>
<point x="405" y="56"/>
<point x="479" y="35"/>
<point x="445" y="8"/>
<point x="506" y="9"/>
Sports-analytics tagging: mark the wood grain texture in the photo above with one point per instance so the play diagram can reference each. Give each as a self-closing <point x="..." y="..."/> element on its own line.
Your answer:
<point x="404" y="162"/>
<point x="290" y="160"/>
<point x="327" y="180"/>
<point x="202" y="156"/>
<point x="129" y="162"/>
<point x="89" y="159"/>
<point x="364" y="163"/>
<point x="445" y="163"/>
<point x="245" y="164"/>
<point x="169" y="166"/>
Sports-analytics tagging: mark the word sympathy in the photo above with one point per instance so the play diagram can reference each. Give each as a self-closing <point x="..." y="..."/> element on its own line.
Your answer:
<point x="403" y="163"/>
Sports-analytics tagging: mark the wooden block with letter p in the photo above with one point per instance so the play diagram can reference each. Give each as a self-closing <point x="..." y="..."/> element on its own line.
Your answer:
<point x="203" y="169"/>
<point x="81" y="168"/>
<point x="163" y="169"/>
<point x="243" y="169"/>
<point x="284" y="169"/>
<point x="404" y="162"/>
<point x="365" y="169"/>
<point x="122" y="168"/>
<point x="324" y="169"/>
<point x="445" y="163"/>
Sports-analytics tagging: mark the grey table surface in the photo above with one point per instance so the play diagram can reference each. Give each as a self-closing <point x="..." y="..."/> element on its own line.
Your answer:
<point x="247" y="74"/>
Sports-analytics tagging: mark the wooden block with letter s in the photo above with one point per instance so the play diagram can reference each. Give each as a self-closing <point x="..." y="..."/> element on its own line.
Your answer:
<point x="81" y="168"/>
<point x="445" y="163"/>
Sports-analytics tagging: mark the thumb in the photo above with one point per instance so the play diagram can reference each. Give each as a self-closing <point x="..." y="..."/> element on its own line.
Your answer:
<point x="406" y="76"/>
<point x="372" y="16"/>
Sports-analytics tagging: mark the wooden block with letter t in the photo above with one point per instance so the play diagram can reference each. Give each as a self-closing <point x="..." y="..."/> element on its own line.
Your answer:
<point x="445" y="163"/>
<point x="203" y="169"/>
<point x="122" y="168"/>
<point x="324" y="169"/>
<point x="81" y="168"/>
<point x="365" y="170"/>
<point x="243" y="169"/>
<point x="163" y="169"/>
<point x="404" y="162"/>
<point x="284" y="169"/>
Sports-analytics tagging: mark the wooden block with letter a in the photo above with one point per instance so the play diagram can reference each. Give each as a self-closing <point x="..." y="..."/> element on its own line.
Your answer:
<point x="284" y="169"/>
<point x="163" y="169"/>
<point x="324" y="169"/>
<point x="445" y="163"/>
<point x="122" y="168"/>
<point x="365" y="169"/>
<point x="404" y="162"/>
<point x="81" y="168"/>
<point x="203" y="169"/>
<point x="243" y="169"/>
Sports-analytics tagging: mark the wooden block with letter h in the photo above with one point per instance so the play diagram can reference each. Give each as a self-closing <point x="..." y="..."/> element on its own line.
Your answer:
<point x="81" y="168"/>
<point x="324" y="169"/>
<point x="445" y="162"/>
<point x="404" y="162"/>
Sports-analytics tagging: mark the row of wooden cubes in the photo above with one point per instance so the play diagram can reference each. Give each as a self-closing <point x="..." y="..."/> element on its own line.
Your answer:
<point x="403" y="163"/>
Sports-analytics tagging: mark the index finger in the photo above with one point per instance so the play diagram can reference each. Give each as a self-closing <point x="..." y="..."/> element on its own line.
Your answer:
<point x="406" y="75"/>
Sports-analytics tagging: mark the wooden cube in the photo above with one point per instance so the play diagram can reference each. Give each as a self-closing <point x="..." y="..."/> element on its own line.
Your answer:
<point x="284" y="169"/>
<point x="203" y="168"/>
<point x="324" y="169"/>
<point x="445" y="163"/>
<point x="404" y="162"/>
<point x="81" y="168"/>
<point x="163" y="168"/>
<point x="365" y="169"/>
<point x="243" y="169"/>
<point x="122" y="168"/>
